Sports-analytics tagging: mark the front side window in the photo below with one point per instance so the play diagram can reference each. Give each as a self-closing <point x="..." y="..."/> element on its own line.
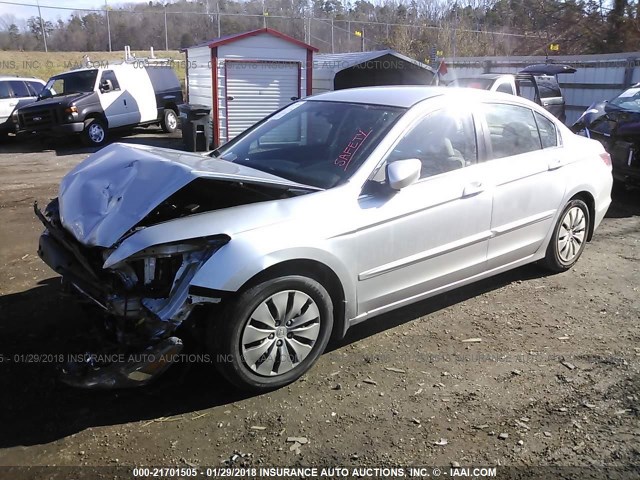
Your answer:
<point x="313" y="142"/>
<point x="110" y="76"/>
<point x="34" y="88"/>
<point x="4" y="90"/>
<point x="513" y="130"/>
<point x="445" y="140"/>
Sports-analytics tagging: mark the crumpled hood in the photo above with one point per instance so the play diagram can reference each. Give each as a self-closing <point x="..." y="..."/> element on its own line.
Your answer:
<point x="111" y="191"/>
<point x="621" y="121"/>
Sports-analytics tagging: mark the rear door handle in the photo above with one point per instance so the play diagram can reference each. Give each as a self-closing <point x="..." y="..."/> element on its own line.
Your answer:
<point x="473" y="188"/>
<point x="554" y="163"/>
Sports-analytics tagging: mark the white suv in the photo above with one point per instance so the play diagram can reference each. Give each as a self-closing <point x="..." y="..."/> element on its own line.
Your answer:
<point x="16" y="92"/>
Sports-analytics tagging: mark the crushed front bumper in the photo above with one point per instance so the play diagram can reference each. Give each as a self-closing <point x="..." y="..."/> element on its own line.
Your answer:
<point x="143" y="327"/>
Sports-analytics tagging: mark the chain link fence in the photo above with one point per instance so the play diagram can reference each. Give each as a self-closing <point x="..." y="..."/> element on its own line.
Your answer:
<point x="166" y="29"/>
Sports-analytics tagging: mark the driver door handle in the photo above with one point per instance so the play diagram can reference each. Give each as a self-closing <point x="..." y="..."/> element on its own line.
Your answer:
<point x="473" y="188"/>
<point x="554" y="163"/>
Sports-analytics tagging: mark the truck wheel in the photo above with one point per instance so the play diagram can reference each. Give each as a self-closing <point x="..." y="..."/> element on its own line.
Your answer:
<point x="169" y="121"/>
<point x="94" y="133"/>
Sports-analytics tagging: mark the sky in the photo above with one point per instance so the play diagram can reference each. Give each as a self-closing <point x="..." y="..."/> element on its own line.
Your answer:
<point x="23" y="10"/>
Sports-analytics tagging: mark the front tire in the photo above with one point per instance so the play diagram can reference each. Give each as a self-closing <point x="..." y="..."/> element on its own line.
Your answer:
<point x="94" y="133"/>
<point x="169" y="121"/>
<point x="271" y="334"/>
<point x="569" y="237"/>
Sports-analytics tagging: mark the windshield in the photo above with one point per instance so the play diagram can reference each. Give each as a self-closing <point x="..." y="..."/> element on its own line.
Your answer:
<point x="629" y="99"/>
<point x="73" y="82"/>
<point x="480" y="83"/>
<point x="313" y="142"/>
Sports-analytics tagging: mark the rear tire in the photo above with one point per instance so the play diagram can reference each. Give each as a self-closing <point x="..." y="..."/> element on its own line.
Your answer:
<point x="271" y="334"/>
<point x="94" y="133"/>
<point x="569" y="237"/>
<point x="169" y="121"/>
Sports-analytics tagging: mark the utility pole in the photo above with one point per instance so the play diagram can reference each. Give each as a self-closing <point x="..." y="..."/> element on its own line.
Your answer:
<point x="218" y="16"/>
<point x="106" y="11"/>
<point x="44" y="34"/>
<point x="332" y="44"/>
<point x="166" y="32"/>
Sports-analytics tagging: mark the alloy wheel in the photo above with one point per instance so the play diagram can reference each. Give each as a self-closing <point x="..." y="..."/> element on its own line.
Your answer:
<point x="280" y="333"/>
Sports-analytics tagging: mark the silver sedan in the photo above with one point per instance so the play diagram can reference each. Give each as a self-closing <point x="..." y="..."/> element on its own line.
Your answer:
<point x="335" y="209"/>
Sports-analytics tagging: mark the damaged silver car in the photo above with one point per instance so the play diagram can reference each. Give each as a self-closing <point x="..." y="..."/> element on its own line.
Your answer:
<point x="331" y="211"/>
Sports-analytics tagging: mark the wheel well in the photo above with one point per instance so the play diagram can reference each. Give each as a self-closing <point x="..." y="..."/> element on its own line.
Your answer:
<point x="97" y="115"/>
<point x="317" y="271"/>
<point x="587" y="198"/>
<point x="171" y="106"/>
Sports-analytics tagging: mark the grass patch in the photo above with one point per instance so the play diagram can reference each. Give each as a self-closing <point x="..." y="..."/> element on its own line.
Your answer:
<point x="44" y="65"/>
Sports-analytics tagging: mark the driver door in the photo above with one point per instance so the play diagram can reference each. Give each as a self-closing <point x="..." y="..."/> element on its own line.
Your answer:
<point x="113" y="102"/>
<point x="433" y="233"/>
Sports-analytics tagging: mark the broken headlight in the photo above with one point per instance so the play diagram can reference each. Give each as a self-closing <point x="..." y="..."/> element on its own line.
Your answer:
<point x="152" y="272"/>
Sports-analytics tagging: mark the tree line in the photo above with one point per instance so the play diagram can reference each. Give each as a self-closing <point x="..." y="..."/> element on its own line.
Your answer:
<point x="416" y="28"/>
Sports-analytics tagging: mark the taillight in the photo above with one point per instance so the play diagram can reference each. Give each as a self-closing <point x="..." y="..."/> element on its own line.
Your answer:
<point x="606" y="158"/>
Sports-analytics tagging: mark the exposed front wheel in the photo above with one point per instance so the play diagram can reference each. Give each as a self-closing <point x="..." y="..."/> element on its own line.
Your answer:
<point x="169" y="121"/>
<point x="569" y="237"/>
<point x="94" y="133"/>
<point x="271" y="334"/>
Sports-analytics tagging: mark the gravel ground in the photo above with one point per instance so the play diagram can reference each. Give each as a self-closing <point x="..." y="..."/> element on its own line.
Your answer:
<point x="554" y="379"/>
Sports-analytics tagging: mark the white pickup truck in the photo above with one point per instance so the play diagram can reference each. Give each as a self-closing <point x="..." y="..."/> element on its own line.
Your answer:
<point x="538" y="83"/>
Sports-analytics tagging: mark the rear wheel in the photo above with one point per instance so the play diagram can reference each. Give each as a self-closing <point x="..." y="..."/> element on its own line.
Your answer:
<point x="271" y="334"/>
<point x="569" y="237"/>
<point x="169" y="121"/>
<point x="94" y="133"/>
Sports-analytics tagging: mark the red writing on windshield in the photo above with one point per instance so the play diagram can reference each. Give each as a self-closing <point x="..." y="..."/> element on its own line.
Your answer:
<point x="350" y="150"/>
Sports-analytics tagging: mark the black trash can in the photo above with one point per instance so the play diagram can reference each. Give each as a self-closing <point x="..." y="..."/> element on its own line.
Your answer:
<point x="194" y="120"/>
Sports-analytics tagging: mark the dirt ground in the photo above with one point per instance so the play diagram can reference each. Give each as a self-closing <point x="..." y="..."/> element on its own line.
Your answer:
<point x="555" y="379"/>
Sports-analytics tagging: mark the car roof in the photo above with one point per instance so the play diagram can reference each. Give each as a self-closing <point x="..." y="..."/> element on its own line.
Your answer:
<point x="408" y="96"/>
<point x="487" y="75"/>
<point x="15" y="77"/>
<point x="393" y="96"/>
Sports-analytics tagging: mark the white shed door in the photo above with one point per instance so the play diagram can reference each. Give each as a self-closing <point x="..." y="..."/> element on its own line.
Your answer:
<point x="256" y="89"/>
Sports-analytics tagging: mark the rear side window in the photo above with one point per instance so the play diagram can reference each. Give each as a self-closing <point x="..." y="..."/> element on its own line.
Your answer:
<point x="505" y="88"/>
<point x="19" y="89"/>
<point x="548" y="134"/>
<point x="548" y="86"/>
<point x="163" y="79"/>
<point x="528" y="90"/>
<point x="513" y="130"/>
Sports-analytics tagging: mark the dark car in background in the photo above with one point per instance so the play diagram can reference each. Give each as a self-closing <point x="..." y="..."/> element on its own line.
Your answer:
<point x="616" y="124"/>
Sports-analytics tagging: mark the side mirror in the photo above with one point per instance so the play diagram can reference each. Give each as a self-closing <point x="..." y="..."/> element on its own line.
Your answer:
<point x="106" y="86"/>
<point x="402" y="173"/>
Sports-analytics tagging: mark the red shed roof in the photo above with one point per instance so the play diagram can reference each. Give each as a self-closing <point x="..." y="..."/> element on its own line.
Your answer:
<point x="216" y="42"/>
